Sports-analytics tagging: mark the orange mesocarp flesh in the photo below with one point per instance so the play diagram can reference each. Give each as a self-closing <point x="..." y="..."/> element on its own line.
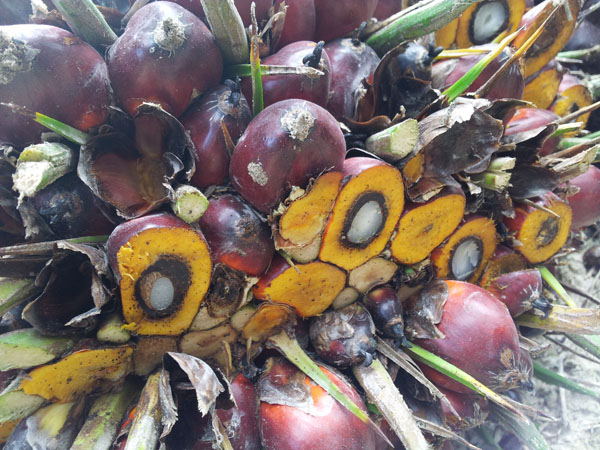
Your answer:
<point x="142" y="251"/>
<point x="481" y="230"/>
<point x="572" y="95"/>
<point x="79" y="374"/>
<point x="302" y="223"/>
<point x="465" y="36"/>
<point x="542" y="86"/>
<point x="554" y="36"/>
<point x="541" y="234"/>
<point x="367" y="178"/>
<point x="308" y="288"/>
<point x="266" y="321"/>
<point x="424" y="226"/>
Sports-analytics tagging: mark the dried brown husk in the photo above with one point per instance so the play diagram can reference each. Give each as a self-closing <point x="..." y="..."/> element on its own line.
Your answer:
<point x="402" y="81"/>
<point x="182" y="373"/>
<point x="75" y="288"/>
<point x="458" y="138"/>
<point x="131" y="164"/>
<point x="423" y="311"/>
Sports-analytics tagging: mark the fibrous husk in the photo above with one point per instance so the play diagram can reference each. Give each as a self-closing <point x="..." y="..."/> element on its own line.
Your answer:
<point x="132" y="165"/>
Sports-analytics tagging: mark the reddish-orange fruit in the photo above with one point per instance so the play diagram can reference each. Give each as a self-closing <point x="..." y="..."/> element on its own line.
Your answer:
<point x="285" y="145"/>
<point x="308" y="288"/>
<point x="519" y="290"/>
<point x="529" y="122"/>
<point x="466" y="252"/>
<point x="480" y="338"/>
<point x="540" y="232"/>
<point x="542" y="86"/>
<point x="310" y="419"/>
<point x="163" y="268"/>
<point x="485" y="21"/>
<point x="166" y="55"/>
<point x="424" y="226"/>
<point x="53" y="72"/>
<point x="572" y="95"/>
<point x="584" y="204"/>
<point x="365" y="213"/>
<point x="554" y="36"/>
<point x="472" y="409"/>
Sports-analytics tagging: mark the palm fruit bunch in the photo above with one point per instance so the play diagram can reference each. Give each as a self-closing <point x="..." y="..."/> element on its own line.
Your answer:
<point x="287" y="224"/>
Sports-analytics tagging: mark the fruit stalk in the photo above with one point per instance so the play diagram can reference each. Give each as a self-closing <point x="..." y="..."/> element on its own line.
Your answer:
<point x="381" y="390"/>
<point x="86" y="21"/>
<point x="226" y="24"/>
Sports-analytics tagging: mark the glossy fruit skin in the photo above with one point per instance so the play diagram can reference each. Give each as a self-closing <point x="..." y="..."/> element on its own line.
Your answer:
<point x="585" y="204"/>
<point x="351" y="63"/>
<point x="300" y="21"/>
<point x="236" y="235"/>
<point x="141" y="71"/>
<point x="281" y="87"/>
<point x="285" y="145"/>
<point x="240" y="421"/>
<point x="329" y="424"/>
<point x="204" y="122"/>
<point x="517" y="290"/>
<point x="387" y="8"/>
<point x="335" y="19"/>
<point x="65" y="79"/>
<point x="386" y="309"/>
<point x="480" y="338"/>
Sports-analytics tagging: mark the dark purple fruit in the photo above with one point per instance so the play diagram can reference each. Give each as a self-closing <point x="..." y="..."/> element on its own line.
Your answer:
<point x="285" y="145"/>
<point x="282" y="87"/>
<point x="53" y="72"/>
<point x="221" y="107"/>
<point x="167" y="56"/>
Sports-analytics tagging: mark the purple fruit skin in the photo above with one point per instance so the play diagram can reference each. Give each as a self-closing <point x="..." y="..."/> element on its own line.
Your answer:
<point x="269" y="158"/>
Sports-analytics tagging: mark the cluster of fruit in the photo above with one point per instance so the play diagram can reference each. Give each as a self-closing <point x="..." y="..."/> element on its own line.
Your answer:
<point x="233" y="183"/>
